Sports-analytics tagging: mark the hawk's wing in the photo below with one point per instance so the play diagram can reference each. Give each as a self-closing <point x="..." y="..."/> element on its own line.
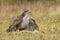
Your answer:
<point x="32" y="23"/>
<point x="17" y="21"/>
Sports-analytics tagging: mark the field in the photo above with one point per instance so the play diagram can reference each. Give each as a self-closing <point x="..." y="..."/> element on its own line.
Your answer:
<point x="46" y="15"/>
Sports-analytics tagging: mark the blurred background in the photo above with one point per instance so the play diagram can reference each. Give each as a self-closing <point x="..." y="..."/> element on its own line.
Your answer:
<point x="45" y="12"/>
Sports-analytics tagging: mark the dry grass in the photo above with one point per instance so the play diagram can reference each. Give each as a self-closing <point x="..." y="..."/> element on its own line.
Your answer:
<point x="47" y="17"/>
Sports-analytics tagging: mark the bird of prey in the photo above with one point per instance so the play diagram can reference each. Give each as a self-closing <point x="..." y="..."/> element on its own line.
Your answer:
<point x="23" y="22"/>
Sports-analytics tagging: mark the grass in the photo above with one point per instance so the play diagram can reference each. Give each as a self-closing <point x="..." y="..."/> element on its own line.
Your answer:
<point x="46" y="16"/>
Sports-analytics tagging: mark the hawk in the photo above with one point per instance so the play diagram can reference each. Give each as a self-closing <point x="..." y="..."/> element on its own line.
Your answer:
<point x="23" y="22"/>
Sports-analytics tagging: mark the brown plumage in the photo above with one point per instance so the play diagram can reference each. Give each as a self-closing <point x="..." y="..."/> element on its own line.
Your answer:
<point x="23" y="22"/>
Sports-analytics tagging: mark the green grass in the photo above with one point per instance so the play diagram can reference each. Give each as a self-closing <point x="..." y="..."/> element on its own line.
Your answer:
<point x="47" y="19"/>
<point x="31" y="1"/>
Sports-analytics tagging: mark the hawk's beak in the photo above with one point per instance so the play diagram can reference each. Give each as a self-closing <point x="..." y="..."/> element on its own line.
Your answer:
<point x="29" y="12"/>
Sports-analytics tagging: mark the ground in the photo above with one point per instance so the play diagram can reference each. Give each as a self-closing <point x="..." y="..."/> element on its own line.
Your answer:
<point x="47" y="18"/>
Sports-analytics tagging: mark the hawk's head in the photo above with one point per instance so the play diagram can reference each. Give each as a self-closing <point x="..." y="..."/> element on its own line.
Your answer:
<point x="27" y="12"/>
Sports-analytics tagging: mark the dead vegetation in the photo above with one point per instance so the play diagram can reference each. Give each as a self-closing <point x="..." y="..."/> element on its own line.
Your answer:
<point x="47" y="17"/>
